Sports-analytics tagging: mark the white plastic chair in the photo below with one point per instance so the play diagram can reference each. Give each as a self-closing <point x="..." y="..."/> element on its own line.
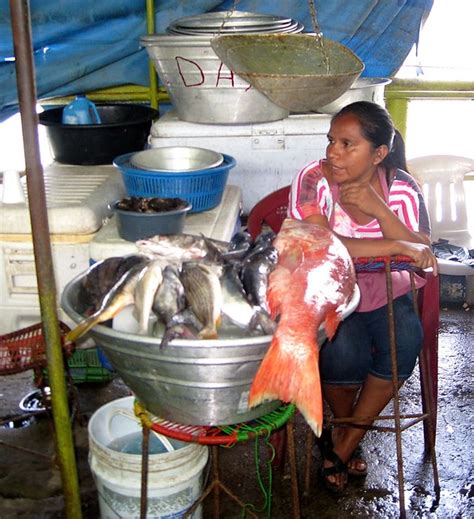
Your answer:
<point x="442" y="178"/>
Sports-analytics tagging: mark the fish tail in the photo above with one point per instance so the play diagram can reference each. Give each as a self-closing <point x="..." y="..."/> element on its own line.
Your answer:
<point x="283" y="376"/>
<point x="99" y="317"/>
<point x="82" y="328"/>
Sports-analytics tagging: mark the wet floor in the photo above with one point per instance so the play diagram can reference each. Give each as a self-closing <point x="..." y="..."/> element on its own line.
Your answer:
<point x="31" y="488"/>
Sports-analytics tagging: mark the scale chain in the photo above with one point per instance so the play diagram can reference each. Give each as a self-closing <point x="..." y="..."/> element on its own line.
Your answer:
<point x="228" y="15"/>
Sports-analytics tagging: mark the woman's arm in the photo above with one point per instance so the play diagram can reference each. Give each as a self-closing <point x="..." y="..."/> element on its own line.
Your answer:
<point x="363" y="196"/>
<point x="421" y="253"/>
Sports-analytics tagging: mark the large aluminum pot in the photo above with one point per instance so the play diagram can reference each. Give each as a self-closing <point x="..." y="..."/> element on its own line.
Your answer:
<point x="195" y="382"/>
<point x="201" y="88"/>
<point x="363" y="89"/>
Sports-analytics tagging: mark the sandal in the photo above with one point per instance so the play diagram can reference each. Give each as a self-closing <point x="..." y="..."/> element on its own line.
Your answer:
<point x="357" y="458"/>
<point x="326" y="445"/>
<point x="338" y="467"/>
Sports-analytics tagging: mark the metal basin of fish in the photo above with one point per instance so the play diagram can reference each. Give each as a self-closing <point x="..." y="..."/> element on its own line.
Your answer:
<point x="299" y="72"/>
<point x="195" y="382"/>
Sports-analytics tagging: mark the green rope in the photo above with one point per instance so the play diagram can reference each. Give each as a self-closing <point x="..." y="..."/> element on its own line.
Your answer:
<point x="260" y="426"/>
<point x="266" y="491"/>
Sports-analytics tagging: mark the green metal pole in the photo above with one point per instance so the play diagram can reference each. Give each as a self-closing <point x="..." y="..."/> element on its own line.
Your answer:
<point x="150" y="26"/>
<point x="25" y="72"/>
<point x="398" y="108"/>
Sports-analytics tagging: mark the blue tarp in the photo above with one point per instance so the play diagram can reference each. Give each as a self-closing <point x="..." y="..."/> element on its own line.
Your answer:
<point x="83" y="45"/>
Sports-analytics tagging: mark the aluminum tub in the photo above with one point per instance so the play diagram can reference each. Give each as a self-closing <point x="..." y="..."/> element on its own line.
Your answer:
<point x="363" y="89"/>
<point x="195" y="382"/>
<point x="201" y="88"/>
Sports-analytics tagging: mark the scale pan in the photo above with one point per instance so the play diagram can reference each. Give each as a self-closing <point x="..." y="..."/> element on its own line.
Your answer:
<point x="290" y="69"/>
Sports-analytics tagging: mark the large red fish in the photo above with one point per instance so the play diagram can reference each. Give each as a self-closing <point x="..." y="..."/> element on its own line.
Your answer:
<point x="313" y="282"/>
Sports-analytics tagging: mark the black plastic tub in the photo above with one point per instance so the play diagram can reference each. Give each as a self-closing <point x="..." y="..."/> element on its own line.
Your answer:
<point x="124" y="129"/>
<point x="134" y="225"/>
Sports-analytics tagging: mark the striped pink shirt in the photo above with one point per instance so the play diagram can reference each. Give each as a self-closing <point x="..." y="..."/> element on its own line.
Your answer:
<point x="311" y="194"/>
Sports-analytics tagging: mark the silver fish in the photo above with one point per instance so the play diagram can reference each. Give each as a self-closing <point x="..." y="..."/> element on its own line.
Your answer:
<point x="179" y="247"/>
<point x="120" y="296"/>
<point x="236" y="306"/>
<point x="149" y="281"/>
<point x="169" y="298"/>
<point x="239" y="246"/>
<point x="204" y="295"/>
<point x="188" y="318"/>
<point x="241" y="241"/>
<point x="178" y="331"/>
<point x="184" y="325"/>
<point x="254" y="275"/>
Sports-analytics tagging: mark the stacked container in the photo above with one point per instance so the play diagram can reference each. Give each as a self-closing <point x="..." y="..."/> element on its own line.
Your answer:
<point x="201" y="87"/>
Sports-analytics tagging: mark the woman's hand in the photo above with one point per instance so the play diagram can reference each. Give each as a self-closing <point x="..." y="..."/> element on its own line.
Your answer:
<point x="363" y="196"/>
<point x="421" y="254"/>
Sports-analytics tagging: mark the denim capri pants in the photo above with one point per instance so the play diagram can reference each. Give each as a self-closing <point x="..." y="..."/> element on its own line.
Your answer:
<point x="362" y="345"/>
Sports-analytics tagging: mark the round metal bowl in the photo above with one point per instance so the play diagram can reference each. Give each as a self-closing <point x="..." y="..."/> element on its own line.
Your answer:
<point x="363" y="89"/>
<point x="176" y="158"/>
<point x="195" y="382"/>
<point x="299" y="72"/>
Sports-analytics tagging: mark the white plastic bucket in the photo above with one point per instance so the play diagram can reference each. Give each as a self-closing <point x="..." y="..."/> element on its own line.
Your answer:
<point x="175" y="478"/>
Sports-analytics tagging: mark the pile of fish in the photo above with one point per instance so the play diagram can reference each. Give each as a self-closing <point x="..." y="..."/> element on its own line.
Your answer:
<point x="187" y="284"/>
<point x="286" y="286"/>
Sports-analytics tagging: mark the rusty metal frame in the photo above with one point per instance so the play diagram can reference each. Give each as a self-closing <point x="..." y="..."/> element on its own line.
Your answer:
<point x="427" y="417"/>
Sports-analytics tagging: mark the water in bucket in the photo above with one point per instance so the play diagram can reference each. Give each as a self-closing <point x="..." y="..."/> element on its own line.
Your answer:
<point x="81" y="111"/>
<point x="132" y="444"/>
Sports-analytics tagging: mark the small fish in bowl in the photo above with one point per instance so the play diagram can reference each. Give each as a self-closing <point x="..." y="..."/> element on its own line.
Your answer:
<point x="139" y="218"/>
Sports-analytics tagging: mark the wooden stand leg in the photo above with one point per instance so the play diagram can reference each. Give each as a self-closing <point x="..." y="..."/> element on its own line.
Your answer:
<point x="308" y="461"/>
<point x="293" y="470"/>
<point x="279" y="442"/>
<point x="144" y="481"/>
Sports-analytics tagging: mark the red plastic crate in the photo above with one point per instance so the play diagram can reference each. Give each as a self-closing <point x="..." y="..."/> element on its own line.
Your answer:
<point x="26" y="349"/>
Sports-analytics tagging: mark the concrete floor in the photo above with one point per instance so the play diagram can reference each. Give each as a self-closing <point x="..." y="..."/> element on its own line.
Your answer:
<point x="31" y="488"/>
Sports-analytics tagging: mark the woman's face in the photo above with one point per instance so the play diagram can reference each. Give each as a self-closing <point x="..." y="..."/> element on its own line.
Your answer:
<point x="350" y="156"/>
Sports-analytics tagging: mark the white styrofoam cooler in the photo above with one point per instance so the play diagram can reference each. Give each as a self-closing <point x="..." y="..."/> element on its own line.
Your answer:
<point x="76" y="197"/>
<point x="19" y="303"/>
<point x="268" y="155"/>
<point x="77" y="200"/>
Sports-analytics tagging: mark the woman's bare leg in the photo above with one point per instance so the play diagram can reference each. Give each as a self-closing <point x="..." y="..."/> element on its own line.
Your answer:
<point x="373" y="397"/>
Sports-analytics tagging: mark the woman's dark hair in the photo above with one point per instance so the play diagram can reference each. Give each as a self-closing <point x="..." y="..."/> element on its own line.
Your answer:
<point x="377" y="127"/>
